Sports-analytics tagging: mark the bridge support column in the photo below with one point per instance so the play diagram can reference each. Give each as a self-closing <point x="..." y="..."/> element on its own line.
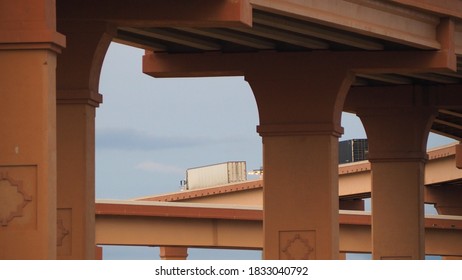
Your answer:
<point x="300" y="126"/>
<point x="300" y="197"/>
<point x="77" y="98"/>
<point x="173" y="253"/>
<point x="397" y="152"/>
<point x="29" y="45"/>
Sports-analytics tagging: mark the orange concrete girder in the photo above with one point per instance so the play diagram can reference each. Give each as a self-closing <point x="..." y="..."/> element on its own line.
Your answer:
<point x="242" y="64"/>
<point x="449" y="8"/>
<point x="440" y="239"/>
<point x="440" y="169"/>
<point x="447" y="199"/>
<point x="148" y="225"/>
<point x="441" y="97"/>
<point x="180" y="210"/>
<point x="158" y="13"/>
<point x="214" y="194"/>
<point x="205" y="233"/>
<point x="379" y="19"/>
<point x="354" y="182"/>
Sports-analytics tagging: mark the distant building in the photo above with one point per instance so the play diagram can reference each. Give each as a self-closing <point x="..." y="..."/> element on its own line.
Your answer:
<point x="352" y="150"/>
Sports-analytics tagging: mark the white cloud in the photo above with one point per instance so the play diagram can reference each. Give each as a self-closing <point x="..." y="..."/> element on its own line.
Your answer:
<point x="151" y="166"/>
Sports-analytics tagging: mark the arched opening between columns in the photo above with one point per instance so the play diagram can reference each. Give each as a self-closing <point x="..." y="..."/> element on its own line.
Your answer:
<point x="149" y="131"/>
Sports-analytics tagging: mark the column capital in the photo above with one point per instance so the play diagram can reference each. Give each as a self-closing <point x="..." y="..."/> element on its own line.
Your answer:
<point x="397" y="134"/>
<point x="88" y="97"/>
<point x="79" y="66"/>
<point x="305" y="103"/>
<point x="32" y="40"/>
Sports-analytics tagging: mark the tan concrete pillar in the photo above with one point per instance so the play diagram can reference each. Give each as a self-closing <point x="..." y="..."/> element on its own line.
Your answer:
<point x="76" y="181"/>
<point x="300" y="197"/>
<point x="78" y="73"/>
<point x="173" y="253"/>
<point x="397" y="151"/>
<point x="300" y="126"/>
<point x="29" y="44"/>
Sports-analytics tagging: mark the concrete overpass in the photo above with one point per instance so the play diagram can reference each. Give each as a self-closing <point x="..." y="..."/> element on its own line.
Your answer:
<point x="442" y="182"/>
<point x="231" y="216"/>
<point x="396" y="64"/>
<point x="177" y="224"/>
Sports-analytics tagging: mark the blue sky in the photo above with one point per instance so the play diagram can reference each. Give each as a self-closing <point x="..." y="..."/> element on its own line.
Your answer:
<point x="149" y="131"/>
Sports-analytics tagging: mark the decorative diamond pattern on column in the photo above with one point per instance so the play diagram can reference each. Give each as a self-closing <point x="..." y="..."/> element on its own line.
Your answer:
<point x="13" y="199"/>
<point x="297" y="245"/>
